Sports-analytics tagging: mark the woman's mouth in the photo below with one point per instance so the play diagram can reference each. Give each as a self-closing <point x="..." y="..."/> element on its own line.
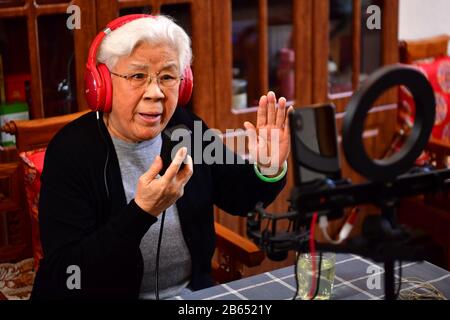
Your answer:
<point x="150" y="118"/>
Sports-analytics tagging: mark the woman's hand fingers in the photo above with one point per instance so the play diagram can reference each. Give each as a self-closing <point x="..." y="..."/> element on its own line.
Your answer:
<point x="185" y="174"/>
<point x="271" y="110"/>
<point x="159" y="194"/>
<point x="153" y="171"/>
<point x="174" y="167"/>
<point x="266" y="146"/>
<point x="281" y="112"/>
<point x="261" y="117"/>
<point x="268" y="113"/>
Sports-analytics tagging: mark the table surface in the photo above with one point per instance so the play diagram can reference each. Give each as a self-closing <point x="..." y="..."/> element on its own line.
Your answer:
<point x="356" y="279"/>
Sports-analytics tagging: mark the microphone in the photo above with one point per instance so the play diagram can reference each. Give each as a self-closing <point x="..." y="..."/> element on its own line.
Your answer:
<point x="173" y="139"/>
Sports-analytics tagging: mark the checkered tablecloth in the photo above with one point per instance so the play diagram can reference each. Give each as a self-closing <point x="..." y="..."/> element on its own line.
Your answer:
<point x="352" y="282"/>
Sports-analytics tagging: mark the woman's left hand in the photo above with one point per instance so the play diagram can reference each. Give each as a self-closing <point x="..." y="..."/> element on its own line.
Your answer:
<point x="269" y="143"/>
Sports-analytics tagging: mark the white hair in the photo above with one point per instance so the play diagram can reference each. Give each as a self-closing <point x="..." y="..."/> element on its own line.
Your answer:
<point x="158" y="30"/>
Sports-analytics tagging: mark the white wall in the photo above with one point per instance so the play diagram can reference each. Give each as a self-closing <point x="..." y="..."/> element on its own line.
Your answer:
<point x="423" y="18"/>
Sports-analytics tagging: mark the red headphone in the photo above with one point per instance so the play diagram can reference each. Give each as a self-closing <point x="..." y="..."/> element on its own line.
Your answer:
<point x="97" y="79"/>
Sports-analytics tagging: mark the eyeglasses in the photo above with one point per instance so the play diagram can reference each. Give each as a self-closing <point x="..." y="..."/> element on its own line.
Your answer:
<point x="140" y="80"/>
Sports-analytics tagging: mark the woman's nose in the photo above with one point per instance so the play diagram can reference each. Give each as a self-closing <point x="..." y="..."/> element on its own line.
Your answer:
<point x="153" y="90"/>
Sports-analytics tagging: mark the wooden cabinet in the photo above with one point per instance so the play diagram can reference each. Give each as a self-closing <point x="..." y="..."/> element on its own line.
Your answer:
<point x="37" y="42"/>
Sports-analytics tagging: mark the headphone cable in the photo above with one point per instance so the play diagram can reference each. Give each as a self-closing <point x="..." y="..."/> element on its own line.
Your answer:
<point x="107" y="154"/>
<point x="158" y="249"/>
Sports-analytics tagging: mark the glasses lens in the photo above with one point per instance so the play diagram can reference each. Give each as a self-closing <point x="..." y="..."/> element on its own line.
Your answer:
<point x="168" y="80"/>
<point x="138" y="80"/>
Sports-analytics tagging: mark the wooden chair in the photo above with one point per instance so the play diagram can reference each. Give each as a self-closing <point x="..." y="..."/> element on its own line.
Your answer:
<point x="413" y="50"/>
<point x="233" y="251"/>
<point x="430" y="213"/>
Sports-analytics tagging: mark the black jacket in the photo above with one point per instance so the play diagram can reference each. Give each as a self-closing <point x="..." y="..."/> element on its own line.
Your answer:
<point x="80" y="225"/>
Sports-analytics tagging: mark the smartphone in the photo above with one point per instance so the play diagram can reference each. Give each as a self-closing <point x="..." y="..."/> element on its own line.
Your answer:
<point x="173" y="139"/>
<point x="314" y="144"/>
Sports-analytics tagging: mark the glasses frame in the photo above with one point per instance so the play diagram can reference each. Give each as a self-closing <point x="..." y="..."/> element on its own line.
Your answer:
<point x="129" y="78"/>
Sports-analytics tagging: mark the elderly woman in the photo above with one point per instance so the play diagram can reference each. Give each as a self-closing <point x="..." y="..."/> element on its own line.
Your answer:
<point x="104" y="191"/>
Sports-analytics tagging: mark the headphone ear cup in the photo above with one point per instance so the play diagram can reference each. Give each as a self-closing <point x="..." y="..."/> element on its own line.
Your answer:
<point x="107" y="87"/>
<point x="186" y="87"/>
<point x="93" y="88"/>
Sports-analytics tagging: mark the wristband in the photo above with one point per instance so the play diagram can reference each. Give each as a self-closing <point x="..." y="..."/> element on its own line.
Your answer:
<point x="274" y="179"/>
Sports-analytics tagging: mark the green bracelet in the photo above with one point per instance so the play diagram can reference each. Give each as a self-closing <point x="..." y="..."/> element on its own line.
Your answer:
<point x="267" y="179"/>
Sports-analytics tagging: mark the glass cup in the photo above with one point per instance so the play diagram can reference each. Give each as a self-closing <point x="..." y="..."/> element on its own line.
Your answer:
<point x="305" y="277"/>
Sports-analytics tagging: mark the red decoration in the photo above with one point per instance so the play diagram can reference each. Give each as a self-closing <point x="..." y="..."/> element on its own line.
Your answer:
<point x="438" y="73"/>
<point x="33" y="165"/>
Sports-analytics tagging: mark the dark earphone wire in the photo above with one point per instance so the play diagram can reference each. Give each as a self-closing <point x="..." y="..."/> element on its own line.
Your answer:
<point x="107" y="155"/>
<point x="158" y="249"/>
